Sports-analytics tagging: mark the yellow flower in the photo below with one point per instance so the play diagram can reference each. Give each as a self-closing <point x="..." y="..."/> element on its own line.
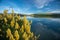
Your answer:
<point x="27" y="38"/>
<point x="27" y="29"/>
<point x="0" y="16"/>
<point x="5" y="12"/>
<point x="25" y="20"/>
<point x="16" y="25"/>
<point x="10" y="16"/>
<point x="11" y="37"/>
<point x="7" y="16"/>
<point x="13" y="33"/>
<point x="18" y="17"/>
<point x="32" y="34"/>
<point x="16" y="20"/>
<point x="16" y="35"/>
<point x="12" y="23"/>
<point x="24" y="35"/>
<point x="5" y="20"/>
<point x="8" y="32"/>
<point x="22" y="29"/>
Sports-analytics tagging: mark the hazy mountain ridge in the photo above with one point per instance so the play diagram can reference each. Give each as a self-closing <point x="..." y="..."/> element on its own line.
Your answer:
<point x="54" y="15"/>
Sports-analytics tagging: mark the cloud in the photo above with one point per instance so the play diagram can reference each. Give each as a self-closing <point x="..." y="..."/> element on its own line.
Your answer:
<point x="16" y="8"/>
<point x="19" y="9"/>
<point x="2" y="8"/>
<point x="41" y="3"/>
<point x="56" y="11"/>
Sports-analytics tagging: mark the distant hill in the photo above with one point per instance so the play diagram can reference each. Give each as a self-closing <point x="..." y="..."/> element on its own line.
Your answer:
<point x="54" y="15"/>
<point x="18" y="14"/>
<point x="47" y="15"/>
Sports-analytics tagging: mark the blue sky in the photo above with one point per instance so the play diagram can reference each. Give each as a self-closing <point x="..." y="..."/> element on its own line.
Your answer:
<point x="31" y="6"/>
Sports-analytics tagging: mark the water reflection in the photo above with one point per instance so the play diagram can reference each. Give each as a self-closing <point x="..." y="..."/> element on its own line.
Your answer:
<point x="48" y="28"/>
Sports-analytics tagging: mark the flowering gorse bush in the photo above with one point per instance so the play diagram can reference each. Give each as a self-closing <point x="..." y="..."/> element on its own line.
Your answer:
<point x="12" y="27"/>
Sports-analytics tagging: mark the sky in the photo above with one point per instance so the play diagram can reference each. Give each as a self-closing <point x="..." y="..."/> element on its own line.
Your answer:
<point x="30" y="6"/>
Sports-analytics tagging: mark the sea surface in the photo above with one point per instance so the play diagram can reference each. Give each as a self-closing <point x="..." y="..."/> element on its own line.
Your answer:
<point x="48" y="28"/>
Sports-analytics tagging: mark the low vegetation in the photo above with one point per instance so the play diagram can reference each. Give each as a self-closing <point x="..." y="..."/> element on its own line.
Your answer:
<point x="12" y="27"/>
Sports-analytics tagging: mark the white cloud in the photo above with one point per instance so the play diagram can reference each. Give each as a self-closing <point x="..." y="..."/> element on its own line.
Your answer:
<point x="18" y="9"/>
<point x="15" y="7"/>
<point x="56" y="11"/>
<point x="41" y="3"/>
<point x="2" y="8"/>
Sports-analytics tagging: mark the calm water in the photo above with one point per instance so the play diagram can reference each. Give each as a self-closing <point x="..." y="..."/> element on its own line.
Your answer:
<point x="48" y="28"/>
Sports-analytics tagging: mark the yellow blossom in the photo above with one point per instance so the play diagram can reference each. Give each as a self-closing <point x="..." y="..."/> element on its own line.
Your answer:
<point x="27" y="29"/>
<point x="24" y="35"/>
<point x="32" y="34"/>
<point x="5" y="12"/>
<point x="16" y="25"/>
<point x="27" y="38"/>
<point x="11" y="37"/>
<point x="22" y="29"/>
<point x="12" y="23"/>
<point x="12" y="33"/>
<point x="18" y="17"/>
<point x="16" y="35"/>
<point x="5" y="20"/>
<point x="16" y="20"/>
<point x="0" y="16"/>
<point x="8" y="32"/>
<point x="25" y="20"/>
<point x="10" y="16"/>
<point x="7" y="16"/>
